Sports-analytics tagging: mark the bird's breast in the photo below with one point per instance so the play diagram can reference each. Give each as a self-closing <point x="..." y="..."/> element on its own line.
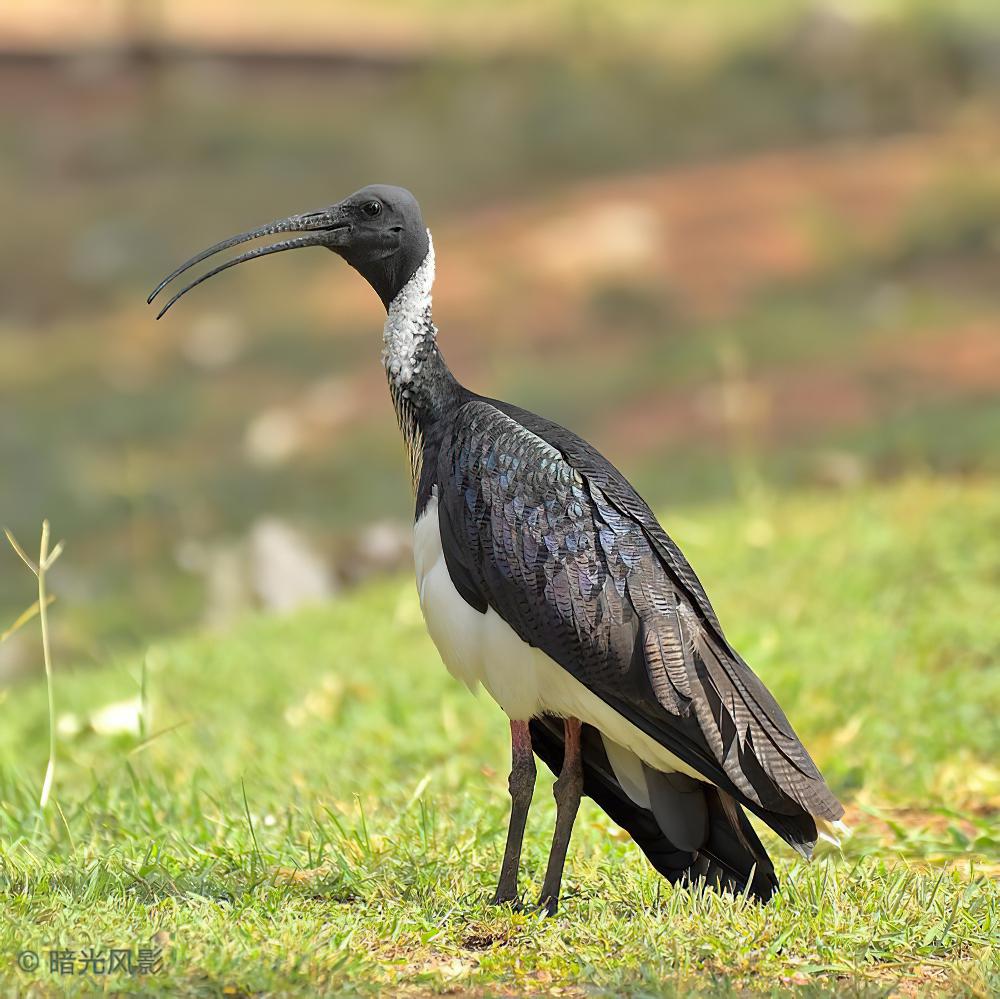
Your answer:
<point x="476" y="648"/>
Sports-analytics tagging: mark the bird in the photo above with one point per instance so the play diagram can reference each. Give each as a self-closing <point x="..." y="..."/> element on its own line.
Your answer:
<point x="546" y="579"/>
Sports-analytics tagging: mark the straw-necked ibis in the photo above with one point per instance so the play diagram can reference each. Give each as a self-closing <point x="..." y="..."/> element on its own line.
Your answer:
<point x="546" y="578"/>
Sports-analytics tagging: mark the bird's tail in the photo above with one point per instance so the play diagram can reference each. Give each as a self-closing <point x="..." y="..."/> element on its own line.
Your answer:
<point x="731" y="858"/>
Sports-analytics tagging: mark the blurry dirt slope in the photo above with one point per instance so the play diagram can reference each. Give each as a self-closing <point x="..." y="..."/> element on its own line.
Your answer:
<point x="712" y="234"/>
<point x="701" y="243"/>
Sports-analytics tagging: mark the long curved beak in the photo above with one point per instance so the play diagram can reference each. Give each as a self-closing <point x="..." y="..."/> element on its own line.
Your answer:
<point x="328" y="227"/>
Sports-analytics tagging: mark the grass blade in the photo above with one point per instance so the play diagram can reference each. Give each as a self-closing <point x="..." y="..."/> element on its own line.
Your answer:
<point x="23" y="619"/>
<point x="21" y="552"/>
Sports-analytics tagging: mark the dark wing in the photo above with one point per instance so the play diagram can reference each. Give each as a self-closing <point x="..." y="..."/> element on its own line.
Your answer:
<point x="537" y="525"/>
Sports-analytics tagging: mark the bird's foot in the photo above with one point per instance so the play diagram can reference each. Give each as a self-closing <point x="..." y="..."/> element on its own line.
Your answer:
<point x="508" y="898"/>
<point x="544" y="907"/>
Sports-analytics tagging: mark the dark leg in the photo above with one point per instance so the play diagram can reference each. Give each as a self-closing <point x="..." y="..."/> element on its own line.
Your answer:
<point x="521" y="785"/>
<point x="567" y="790"/>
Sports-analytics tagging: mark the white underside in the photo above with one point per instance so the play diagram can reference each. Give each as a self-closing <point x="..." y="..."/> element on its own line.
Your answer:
<point x="483" y="649"/>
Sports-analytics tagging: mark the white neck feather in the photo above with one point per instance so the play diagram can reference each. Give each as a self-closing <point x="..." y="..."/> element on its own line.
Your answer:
<point x="409" y="323"/>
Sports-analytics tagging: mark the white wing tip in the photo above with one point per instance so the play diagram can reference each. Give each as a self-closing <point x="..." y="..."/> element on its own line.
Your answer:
<point x="832" y="832"/>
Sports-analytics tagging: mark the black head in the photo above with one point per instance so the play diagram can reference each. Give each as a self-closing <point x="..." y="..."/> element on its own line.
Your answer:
<point x="378" y="230"/>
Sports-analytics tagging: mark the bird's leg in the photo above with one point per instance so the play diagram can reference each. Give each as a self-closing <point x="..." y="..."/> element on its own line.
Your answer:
<point x="567" y="790"/>
<point x="521" y="785"/>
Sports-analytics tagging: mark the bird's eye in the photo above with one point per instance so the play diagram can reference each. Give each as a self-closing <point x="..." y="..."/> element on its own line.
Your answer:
<point x="372" y="208"/>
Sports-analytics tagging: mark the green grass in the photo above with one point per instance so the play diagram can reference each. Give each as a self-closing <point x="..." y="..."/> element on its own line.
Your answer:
<point x="312" y="805"/>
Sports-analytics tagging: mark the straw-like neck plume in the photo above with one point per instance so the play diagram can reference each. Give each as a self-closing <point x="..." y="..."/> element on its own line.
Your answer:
<point x="409" y="332"/>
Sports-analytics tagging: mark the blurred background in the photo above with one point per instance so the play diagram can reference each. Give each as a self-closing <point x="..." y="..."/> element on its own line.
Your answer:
<point x="742" y="247"/>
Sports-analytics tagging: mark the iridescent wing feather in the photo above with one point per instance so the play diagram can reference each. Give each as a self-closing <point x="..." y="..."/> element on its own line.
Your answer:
<point x="540" y="527"/>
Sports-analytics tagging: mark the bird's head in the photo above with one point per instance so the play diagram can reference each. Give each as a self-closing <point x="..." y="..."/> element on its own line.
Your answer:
<point x="378" y="230"/>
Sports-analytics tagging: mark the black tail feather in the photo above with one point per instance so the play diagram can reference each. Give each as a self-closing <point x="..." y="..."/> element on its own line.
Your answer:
<point x="729" y="860"/>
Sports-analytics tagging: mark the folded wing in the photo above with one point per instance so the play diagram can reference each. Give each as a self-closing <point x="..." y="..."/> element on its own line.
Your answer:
<point x="537" y="525"/>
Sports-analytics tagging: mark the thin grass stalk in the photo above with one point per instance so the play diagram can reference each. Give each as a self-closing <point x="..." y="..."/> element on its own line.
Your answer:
<point x="46" y="559"/>
<point x="43" y="617"/>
